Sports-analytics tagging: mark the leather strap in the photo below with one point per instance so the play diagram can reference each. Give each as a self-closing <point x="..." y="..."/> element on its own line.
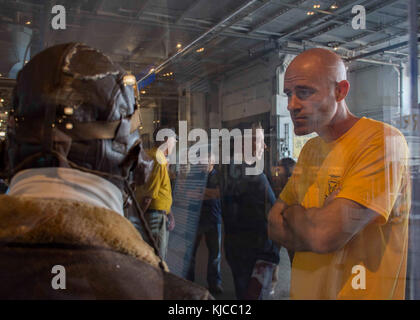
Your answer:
<point x="80" y="131"/>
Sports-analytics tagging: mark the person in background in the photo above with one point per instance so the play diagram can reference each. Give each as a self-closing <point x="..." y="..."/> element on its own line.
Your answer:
<point x="246" y="201"/>
<point x="155" y="195"/>
<point x="281" y="174"/>
<point x="210" y="227"/>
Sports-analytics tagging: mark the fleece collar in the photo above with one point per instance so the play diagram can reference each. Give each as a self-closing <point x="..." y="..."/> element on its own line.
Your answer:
<point x="29" y="220"/>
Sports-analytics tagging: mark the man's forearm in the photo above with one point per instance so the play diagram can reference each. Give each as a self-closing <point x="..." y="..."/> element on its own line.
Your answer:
<point x="288" y="227"/>
<point x="320" y="230"/>
<point x="329" y="228"/>
<point x="300" y="228"/>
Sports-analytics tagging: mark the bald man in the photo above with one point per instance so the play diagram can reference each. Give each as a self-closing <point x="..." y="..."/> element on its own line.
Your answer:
<point x="345" y="209"/>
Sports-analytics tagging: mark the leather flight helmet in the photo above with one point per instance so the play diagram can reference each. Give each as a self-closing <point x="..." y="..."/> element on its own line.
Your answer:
<point x="71" y="105"/>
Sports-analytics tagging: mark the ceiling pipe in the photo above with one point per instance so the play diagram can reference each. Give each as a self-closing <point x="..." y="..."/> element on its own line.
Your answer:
<point x="383" y="63"/>
<point x="397" y="45"/>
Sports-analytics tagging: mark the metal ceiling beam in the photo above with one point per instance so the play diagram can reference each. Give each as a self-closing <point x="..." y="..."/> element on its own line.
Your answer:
<point x="317" y="44"/>
<point x="351" y="52"/>
<point x="394" y="46"/>
<point x="190" y="8"/>
<point x="273" y="16"/>
<point x="377" y="29"/>
<point x="340" y="23"/>
<point x="244" y="63"/>
<point x="377" y="42"/>
<point x="392" y="15"/>
<point x="214" y="42"/>
<point x="154" y="22"/>
<point x="378" y="62"/>
<point x="309" y="23"/>
<point x="16" y="5"/>
<point x="231" y="19"/>
<point x="165" y="34"/>
<point x="371" y="61"/>
<point x="360" y="64"/>
<point x="273" y="46"/>
<point x="235" y="27"/>
<point x="242" y="13"/>
<point x="143" y="20"/>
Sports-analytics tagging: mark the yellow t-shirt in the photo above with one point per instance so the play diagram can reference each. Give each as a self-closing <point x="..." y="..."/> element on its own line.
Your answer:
<point x="370" y="165"/>
<point x="158" y="186"/>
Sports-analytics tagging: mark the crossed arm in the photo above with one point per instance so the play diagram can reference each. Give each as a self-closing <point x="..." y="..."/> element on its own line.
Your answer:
<point x="320" y="230"/>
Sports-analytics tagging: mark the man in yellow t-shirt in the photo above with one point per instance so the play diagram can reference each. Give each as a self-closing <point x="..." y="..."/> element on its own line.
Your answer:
<point x="155" y="196"/>
<point x="345" y="209"/>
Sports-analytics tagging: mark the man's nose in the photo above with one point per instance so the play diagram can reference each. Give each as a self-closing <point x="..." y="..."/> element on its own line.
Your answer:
<point x="293" y="104"/>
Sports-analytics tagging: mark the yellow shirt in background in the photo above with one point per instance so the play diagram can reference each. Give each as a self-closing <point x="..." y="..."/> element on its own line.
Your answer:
<point x="158" y="186"/>
<point x="370" y="165"/>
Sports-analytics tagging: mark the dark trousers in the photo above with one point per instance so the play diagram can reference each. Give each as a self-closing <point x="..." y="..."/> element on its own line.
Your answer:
<point x="212" y="232"/>
<point x="241" y="261"/>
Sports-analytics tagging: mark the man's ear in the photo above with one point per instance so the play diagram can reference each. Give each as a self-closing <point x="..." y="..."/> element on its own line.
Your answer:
<point x="341" y="90"/>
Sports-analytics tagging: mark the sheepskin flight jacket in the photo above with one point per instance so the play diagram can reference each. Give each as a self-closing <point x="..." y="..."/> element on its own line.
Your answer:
<point x="103" y="255"/>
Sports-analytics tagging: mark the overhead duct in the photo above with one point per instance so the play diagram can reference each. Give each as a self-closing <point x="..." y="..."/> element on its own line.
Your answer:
<point x="371" y="53"/>
<point x="14" y="49"/>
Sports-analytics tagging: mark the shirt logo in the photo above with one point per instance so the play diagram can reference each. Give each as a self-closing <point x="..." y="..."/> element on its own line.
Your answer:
<point x="333" y="184"/>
